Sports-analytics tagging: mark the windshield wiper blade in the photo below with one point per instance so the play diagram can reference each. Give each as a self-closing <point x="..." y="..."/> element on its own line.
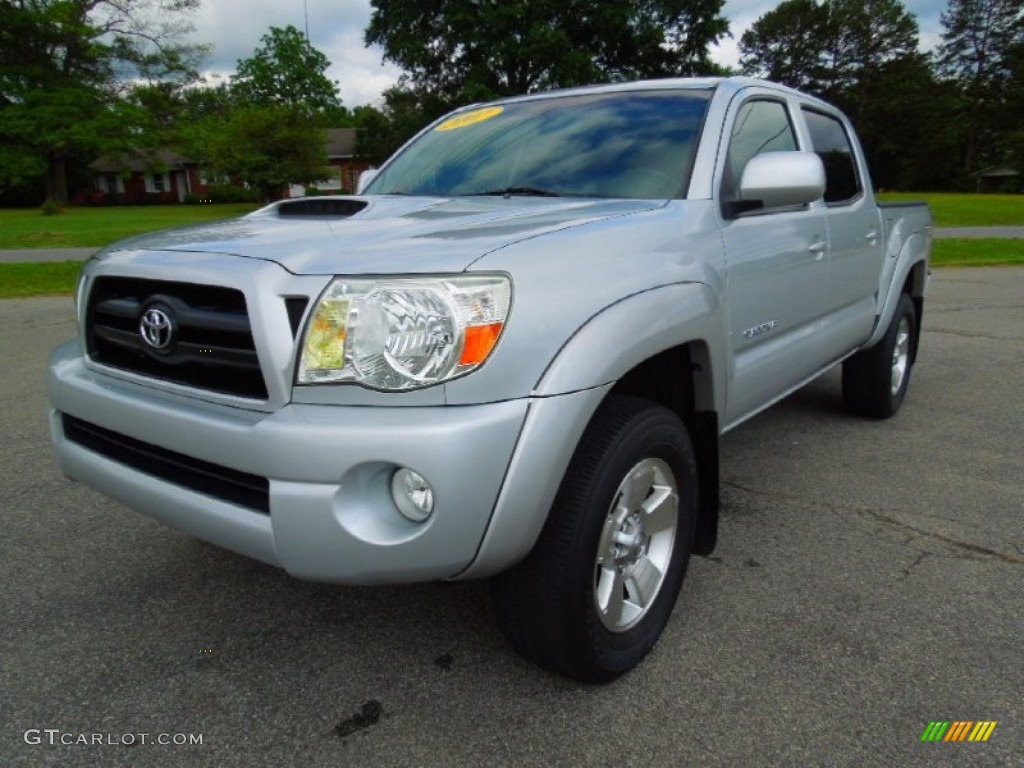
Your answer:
<point x="525" y="191"/>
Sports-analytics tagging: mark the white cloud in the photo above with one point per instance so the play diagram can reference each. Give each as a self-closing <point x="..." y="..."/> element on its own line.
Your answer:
<point x="233" y="29"/>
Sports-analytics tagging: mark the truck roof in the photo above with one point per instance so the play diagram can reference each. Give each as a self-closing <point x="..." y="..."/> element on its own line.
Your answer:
<point x="731" y="84"/>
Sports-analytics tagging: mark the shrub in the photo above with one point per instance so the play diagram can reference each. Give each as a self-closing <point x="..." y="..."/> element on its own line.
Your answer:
<point x="51" y="207"/>
<point x="227" y="193"/>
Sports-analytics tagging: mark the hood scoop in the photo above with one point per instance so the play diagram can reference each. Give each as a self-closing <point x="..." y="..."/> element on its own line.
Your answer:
<point x="332" y="207"/>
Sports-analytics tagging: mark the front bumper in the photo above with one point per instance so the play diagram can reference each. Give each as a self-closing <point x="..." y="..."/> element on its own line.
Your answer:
<point x="328" y="468"/>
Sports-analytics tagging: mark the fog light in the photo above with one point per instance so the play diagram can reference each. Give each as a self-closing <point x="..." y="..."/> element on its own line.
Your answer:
<point x="412" y="494"/>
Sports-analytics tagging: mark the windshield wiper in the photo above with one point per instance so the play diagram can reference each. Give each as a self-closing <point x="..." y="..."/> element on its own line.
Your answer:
<point x="525" y="191"/>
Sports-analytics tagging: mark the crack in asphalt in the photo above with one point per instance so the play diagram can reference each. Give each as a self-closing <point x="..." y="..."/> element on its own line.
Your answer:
<point x="969" y="551"/>
<point x="969" y="335"/>
<point x="971" y="307"/>
<point x="975" y="552"/>
<point x="922" y="554"/>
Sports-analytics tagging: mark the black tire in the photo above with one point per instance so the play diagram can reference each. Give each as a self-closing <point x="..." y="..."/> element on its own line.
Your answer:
<point x="870" y="377"/>
<point x="548" y="604"/>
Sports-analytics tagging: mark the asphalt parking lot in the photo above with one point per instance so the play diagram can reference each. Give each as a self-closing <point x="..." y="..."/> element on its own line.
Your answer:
<point x="869" y="579"/>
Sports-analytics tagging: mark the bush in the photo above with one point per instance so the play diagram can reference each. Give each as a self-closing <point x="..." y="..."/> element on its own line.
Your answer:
<point x="51" y="207"/>
<point x="227" y="193"/>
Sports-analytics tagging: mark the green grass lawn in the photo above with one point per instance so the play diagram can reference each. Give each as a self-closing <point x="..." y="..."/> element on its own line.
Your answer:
<point x="963" y="210"/>
<point x="959" y="252"/>
<point x="44" y="278"/>
<point x="95" y="227"/>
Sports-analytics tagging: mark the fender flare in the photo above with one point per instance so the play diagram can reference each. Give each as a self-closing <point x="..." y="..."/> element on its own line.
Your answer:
<point x="570" y="391"/>
<point x="638" y="327"/>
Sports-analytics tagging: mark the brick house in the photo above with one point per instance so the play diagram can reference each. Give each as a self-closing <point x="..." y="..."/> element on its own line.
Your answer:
<point x="166" y="176"/>
<point x="341" y="159"/>
<point x="163" y="176"/>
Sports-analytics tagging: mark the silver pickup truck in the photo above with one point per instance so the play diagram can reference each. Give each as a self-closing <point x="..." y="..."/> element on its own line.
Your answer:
<point x="511" y="355"/>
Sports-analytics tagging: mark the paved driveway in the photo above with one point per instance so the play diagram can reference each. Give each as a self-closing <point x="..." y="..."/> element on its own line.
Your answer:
<point x="869" y="580"/>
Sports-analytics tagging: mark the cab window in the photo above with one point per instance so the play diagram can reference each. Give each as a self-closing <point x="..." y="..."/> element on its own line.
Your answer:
<point x="831" y="143"/>
<point x="760" y="126"/>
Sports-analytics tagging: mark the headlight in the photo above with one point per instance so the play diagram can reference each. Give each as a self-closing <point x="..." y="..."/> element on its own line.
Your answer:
<point x="403" y="333"/>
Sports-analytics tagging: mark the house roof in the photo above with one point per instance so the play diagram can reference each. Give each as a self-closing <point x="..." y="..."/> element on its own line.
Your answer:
<point x="341" y="142"/>
<point x="140" y="161"/>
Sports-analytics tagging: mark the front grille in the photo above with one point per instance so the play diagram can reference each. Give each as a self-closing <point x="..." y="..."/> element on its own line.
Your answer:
<point x="209" y="340"/>
<point x="240" y="488"/>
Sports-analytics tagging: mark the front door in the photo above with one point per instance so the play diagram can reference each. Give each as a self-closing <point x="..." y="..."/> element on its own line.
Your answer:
<point x="777" y="270"/>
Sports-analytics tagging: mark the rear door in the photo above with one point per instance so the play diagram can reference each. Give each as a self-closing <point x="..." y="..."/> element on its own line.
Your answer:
<point x="776" y="264"/>
<point x="856" y="247"/>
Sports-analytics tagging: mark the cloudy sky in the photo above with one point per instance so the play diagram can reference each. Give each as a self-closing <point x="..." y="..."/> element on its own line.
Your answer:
<point x="233" y="29"/>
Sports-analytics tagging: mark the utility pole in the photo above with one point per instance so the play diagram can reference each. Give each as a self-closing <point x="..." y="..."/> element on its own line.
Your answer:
<point x="305" y="10"/>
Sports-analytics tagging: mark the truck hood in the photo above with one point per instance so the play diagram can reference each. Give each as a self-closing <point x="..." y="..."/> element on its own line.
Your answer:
<point x="383" y="234"/>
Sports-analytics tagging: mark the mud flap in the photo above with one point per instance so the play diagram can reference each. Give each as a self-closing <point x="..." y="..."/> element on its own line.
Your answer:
<point x="703" y="427"/>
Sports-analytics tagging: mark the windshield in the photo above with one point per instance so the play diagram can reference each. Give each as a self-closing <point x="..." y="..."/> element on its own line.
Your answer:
<point x="636" y="144"/>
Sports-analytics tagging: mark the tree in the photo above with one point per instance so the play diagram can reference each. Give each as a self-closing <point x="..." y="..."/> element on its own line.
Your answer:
<point x="978" y="50"/>
<point x="862" y="56"/>
<point x="789" y="45"/>
<point x="64" y="65"/>
<point x="286" y="71"/>
<point x="265" y="147"/>
<point x="382" y="131"/>
<point x="834" y="48"/>
<point x="466" y="50"/>
<point x="266" y="128"/>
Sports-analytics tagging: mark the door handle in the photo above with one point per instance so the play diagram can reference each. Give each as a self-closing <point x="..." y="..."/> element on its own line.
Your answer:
<point x="818" y="248"/>
<point x="872" y="236"/>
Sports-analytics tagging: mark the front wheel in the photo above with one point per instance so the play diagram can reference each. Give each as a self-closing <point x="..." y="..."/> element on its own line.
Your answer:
<point x="875" y="380"/>
<point x="596" y="591"/>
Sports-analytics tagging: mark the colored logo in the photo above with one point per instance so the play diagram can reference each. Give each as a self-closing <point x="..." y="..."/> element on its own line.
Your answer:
<point x="958" y="730"/>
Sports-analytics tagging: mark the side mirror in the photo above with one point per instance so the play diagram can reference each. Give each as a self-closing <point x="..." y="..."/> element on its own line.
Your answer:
<point x="365" y="178"/>
<point x="777" y="179"/>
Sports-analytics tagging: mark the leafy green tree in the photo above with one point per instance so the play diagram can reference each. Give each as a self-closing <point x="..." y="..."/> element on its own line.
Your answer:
<point x="980" y="45"/>
<point x="835" y="48"/>
<point x="266" y="129"/>
<point x="789" y="45"/>
<point x="382" y="131"/>
<point x="63" y="68"/>
<point x="909" y="140"/>
<point x="862" y="56"/>
<point x="286" y="71"/>
<point x="265" y="147"/>
<point x="463" y="50"/>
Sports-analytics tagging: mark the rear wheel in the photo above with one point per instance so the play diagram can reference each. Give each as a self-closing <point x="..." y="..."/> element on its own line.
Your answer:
<point x="595" y="593"/>
<point x="875" y="380"/>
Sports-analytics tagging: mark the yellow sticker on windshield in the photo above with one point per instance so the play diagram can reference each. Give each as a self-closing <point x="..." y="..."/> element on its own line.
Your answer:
<point x="469" y="118"/>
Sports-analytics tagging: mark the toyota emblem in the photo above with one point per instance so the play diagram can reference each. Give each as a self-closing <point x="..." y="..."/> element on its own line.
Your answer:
<point x="156" y="328"/>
